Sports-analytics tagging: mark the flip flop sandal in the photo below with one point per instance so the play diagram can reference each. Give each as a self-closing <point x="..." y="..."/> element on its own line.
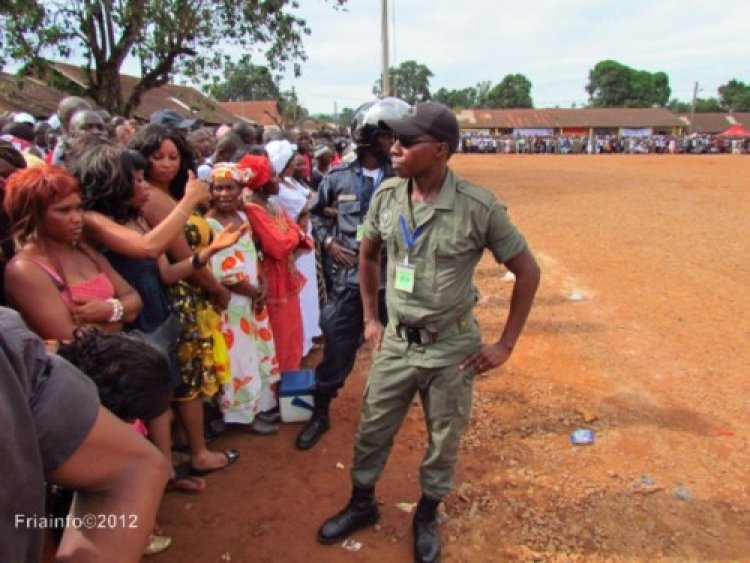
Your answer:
<point x="157" y="544"/>
<point x="184" y="482"/>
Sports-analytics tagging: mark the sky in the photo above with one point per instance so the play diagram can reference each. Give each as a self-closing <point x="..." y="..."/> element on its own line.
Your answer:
<point x="554" y="43"/>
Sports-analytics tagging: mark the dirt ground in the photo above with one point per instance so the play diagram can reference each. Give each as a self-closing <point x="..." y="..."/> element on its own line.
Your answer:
<point x="640" y="332"/>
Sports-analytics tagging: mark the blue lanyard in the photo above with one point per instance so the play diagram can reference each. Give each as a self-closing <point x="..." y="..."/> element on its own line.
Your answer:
<point x="409" y="238"/>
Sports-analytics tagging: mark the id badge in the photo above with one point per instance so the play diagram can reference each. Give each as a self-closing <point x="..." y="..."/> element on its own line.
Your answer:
<point x="404" y="277"/>
<point x="360" y="233"/>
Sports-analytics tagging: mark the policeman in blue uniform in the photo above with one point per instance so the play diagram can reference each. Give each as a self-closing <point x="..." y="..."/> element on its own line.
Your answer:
<point x="348" y="189"/>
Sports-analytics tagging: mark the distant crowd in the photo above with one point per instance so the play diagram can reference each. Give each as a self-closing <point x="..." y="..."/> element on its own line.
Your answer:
<point x="603" y="144"/>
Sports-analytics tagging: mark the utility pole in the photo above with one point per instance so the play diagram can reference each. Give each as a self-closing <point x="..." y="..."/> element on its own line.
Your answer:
<point x="384" y="32"/>
<point x="692" y="108"/>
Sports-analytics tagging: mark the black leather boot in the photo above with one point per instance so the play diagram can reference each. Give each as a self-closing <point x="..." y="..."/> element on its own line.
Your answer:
<point x="318" y="425"/>
<point x="362" y="511"/>
<point x="426" y="533"/>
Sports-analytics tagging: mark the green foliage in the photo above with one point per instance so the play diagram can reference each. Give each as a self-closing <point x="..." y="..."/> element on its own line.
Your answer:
<point x="612" y="84"/>
<point x="292" y="113"/>
<point x="457" y="99"/>
<point x="244" y="81"/>
<point x="410" y="81"/>
<point x="707" y="105"/>
<point x="167" y="37"/>
<point x="342" y="119"/>
<point x="702" y="105"/>
<point x="678" y="106"/>
<point x="483" y="91"/>
<point x="735" y="96"/>
<point x="513" y="91"/>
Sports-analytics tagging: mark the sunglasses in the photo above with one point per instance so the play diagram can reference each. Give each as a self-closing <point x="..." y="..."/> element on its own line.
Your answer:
<point x="408" y="142"/>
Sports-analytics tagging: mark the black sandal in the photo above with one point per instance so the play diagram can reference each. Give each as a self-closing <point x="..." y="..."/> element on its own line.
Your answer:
<point x="183" y="475"/>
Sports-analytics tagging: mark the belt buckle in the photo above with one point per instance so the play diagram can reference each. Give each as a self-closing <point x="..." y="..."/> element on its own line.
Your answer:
<point x="413" y="335"/>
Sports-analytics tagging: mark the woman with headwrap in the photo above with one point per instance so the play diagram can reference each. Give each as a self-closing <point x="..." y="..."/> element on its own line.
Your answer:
<point x="279" y="237"/>
<point x="254" y="369"/>
<point x="296" y="200"/>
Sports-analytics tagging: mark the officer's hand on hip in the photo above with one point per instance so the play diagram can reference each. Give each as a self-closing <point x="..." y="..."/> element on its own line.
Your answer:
<point x="487" y="357"/>
<point x="374" y="334"/>
<point x="342" y="255"/>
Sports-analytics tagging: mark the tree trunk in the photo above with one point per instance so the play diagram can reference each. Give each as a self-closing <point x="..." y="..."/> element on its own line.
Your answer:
<point x="106" y="89"/>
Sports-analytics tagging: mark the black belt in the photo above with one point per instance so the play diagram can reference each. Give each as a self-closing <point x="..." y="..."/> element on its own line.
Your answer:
<point x="420" y="335"/>
<point x="413" y="334"/>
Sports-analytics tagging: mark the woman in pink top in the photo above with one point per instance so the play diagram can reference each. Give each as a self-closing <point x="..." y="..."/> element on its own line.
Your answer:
<point x="54" y="281"/>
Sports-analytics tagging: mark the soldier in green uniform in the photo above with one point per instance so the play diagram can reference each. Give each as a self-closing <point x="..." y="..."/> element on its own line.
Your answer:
<point x="435" y="227"/>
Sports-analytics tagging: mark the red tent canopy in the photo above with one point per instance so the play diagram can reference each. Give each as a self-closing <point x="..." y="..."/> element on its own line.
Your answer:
<point x="736" y="130"/>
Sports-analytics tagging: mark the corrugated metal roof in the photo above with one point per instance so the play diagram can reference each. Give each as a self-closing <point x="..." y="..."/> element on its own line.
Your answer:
<point x="263" y="112"/>
<point x="26" y="94"/>
<point x="710" y="123"/>
<point x="716" y="122"/>
<point x="185" y="100"/>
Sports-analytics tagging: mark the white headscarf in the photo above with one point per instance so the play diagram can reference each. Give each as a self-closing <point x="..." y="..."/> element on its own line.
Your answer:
<point x="280" y="153"/>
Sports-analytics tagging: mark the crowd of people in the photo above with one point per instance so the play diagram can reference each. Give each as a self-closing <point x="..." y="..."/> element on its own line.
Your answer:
<point x="472" y="142"/>
<point x="229" y="255"/>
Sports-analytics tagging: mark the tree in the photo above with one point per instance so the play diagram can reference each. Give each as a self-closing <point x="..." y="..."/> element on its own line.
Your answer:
<point x="166" y="36"/>
<point x="735" y="96"/>
<point x="612" y="84"/>
<point x="702" y="105"/>
<point x="292" y="113"/>
<point x="482" y="93"/>
<point x="464" y="98"/>
<point x="410" y="81"/>
<point x="245" y="81"/>
<point x="345" y="117"/>
<point x="342" y="120"/>
<point x="513" y="91"/>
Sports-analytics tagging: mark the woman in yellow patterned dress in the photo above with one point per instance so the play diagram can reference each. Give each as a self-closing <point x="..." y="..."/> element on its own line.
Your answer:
<point x="170" y="167"/>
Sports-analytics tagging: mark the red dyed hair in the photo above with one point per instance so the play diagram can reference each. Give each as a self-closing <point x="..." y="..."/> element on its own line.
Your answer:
<point x="29" y="193"/>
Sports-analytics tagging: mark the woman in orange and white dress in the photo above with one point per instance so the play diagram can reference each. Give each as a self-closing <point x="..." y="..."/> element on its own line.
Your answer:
<point x="245" y="322"/>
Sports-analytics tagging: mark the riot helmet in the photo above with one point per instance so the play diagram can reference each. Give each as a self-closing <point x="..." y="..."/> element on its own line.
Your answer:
<point x="364" y="126"/>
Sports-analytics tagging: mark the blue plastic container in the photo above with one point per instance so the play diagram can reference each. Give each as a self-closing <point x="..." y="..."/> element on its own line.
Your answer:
<point x="296" y="395"/>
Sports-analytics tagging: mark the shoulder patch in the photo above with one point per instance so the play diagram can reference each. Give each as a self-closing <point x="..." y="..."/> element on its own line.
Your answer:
<point x="385" y="222"/>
